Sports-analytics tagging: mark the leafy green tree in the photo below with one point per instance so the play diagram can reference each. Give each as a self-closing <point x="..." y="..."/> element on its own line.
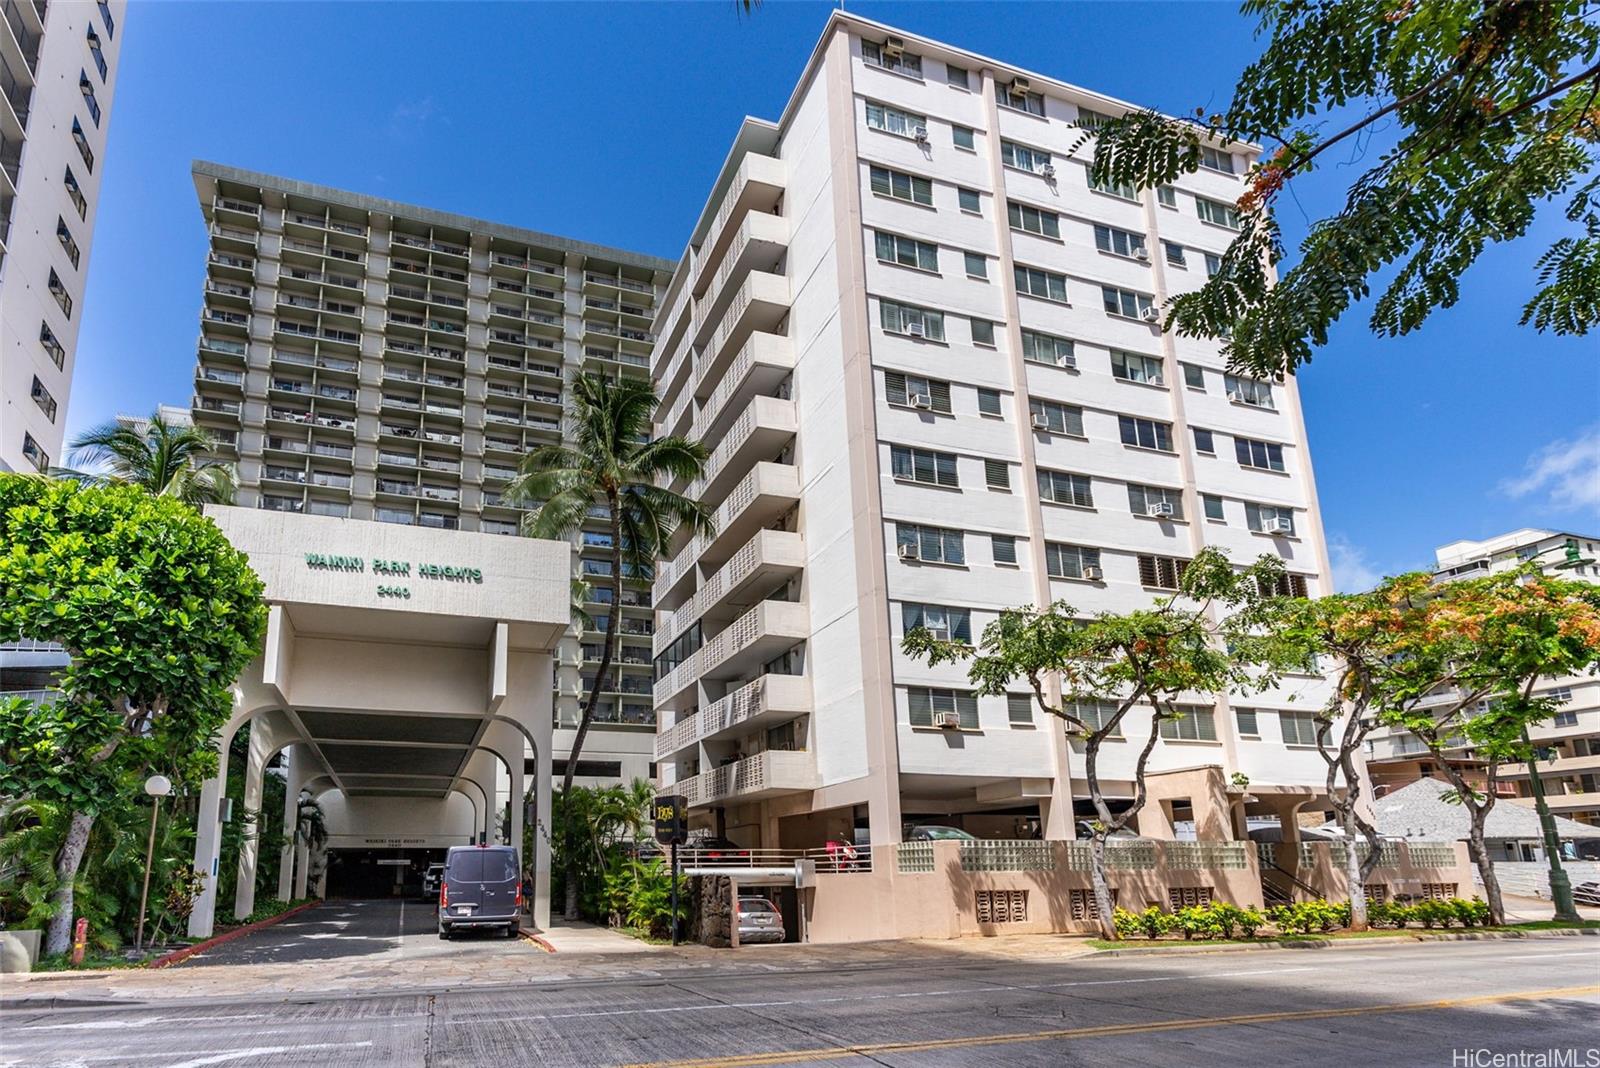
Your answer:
<point x="158" y="613"/>
<point x="1491" y="107"/>
<point x="1175" y="650"/>
<point x="612" y="465"/>
<point x="167" y="459"/>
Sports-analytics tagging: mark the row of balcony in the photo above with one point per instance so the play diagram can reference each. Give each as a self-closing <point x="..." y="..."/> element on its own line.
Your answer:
<point x="764" y="702"/>
<point x="764" y="494"/>
<point x="770" y="557"/>
<point x="767" y="774"/>
<point x="760" y="634"/>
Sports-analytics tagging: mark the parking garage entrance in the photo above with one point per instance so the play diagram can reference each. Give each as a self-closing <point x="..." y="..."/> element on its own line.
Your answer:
<point x="379" y="873"/>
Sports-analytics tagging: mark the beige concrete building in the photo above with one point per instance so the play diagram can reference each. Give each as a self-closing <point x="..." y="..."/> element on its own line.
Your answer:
<point x="926" y="353"/>
<point x="365" y="358"/>
<point x="58" y="73"/>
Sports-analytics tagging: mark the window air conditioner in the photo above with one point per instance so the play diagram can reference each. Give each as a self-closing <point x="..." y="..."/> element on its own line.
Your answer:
<point x="1141" y="254"/>
<point x="1019" y="87"/>
<point x="1158" y="508"/>
<point x="909" y="552"/>
<point x="921" y="134"/>
<point x="1280" y="525"/>
<point x="893" y="47"/>
<point x="947" y="721"/>
<point x="1151" y="315"/>
<point x="1235" y="396"/>
<point x="1041" y="422"/>
<point x="920" y="400"/>
<point x="1092" y="573"/>
<point x="914" y="329"/>
<point x="1048" y="172"/>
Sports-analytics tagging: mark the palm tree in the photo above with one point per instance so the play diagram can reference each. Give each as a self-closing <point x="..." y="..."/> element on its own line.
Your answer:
<point x="168" y="459"/>
<point x="611" y="464"/>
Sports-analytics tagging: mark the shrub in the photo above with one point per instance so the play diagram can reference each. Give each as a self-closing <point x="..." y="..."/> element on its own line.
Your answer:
<point x="1127" y="924"/>
<point x="1434" y="913"/>
<point x="1250" y="920"/>
<point x="1154" y="922"/>
<point x="1471" y="913"/>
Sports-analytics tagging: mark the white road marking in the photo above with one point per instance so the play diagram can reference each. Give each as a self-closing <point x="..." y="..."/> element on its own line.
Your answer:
<point x="1595" y="952"/>
<point x="97" y="1025"/>
<point x="198" y="1058"/>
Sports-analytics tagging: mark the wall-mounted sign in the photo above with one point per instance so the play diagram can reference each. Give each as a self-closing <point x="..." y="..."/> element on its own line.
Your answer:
<point x="394" y="569"/>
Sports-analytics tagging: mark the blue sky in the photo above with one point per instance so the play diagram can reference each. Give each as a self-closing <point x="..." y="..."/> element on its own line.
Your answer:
<point x="607" y="122"/>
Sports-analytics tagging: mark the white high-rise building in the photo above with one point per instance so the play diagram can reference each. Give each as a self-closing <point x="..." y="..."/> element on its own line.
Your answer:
<point x="926" y="354"/>
<point x="58" y="71"/>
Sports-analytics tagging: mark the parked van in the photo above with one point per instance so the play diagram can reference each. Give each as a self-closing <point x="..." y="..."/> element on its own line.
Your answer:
<point x="481" y="887"/>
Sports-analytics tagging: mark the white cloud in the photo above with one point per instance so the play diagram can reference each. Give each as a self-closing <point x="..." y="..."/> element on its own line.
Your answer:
<point x="1566" y="472"/>
<point x="409" y="118"/>
<point x="1353" y="572"/>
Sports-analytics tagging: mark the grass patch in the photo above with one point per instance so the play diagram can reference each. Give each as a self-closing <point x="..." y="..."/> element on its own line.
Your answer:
<point x="62" y="962"/>
<point x="643" y="935"/>
<point x="1327" y="936"/>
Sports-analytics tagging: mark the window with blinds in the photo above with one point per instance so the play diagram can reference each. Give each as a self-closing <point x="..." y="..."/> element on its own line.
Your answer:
<point x="903" y="389"/>
<point x="1071" y="561"/>
<point x="1056" y="418"/>
<point x="1063" y="487"/>
<point x="937" y="545"/>
<point x="997" y="474"/>
<point x="1299" y="728"/>
<point x="1197" y="725"/>
<point x="923" y="465"/>
<point x="926" y="703"/>
<point x="1161" y="572"/>
<point x="1004" y="547"/>
<point x="943" y="622"/>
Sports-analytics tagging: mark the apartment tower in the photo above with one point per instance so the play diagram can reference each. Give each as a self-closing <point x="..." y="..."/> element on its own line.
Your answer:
<point x="381" y="361"/>
<point x="925" y="351"/>
<point x="58" y="71"/>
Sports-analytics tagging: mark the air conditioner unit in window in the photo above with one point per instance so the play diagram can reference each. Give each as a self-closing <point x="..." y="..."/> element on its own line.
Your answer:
<point x="893" y="47"/>
<point x="1280" y="525"/>
<point x="1019" y="87"/>
<point x="1141" y="254"/>
<point x="920" y="400"/>
<point x="1235" y="396"/>
<point x="1048" y="172"/>
<point x="947" y="721"/>
<point x="914" y="329"/>
<point x="1150" y="315"/>
<point x="909" y="552"/>
<point x="1093" y="574"/>
<point x="1158" y="508"/>
<point x="1041" y="422"/>
<point x="921" y="134"/>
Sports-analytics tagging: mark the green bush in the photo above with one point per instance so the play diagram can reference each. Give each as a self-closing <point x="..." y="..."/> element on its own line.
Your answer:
<point x="1127" y="924"/>
<point x="1220" y="919"/>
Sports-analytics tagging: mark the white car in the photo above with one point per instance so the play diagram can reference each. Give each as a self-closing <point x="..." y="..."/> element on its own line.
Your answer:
<point x="759" y="921"/>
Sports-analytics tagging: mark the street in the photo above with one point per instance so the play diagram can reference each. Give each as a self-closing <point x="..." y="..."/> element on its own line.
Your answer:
<point x="1383" y="1004"/>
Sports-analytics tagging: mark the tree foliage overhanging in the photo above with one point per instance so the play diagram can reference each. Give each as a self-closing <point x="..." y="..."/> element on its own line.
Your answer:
<point x="1493" y="110"/>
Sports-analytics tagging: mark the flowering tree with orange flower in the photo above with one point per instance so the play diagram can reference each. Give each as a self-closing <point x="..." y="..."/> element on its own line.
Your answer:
<point x="1491" y="108"/>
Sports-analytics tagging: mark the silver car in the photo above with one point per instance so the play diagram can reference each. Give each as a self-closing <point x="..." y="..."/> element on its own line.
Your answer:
<point x="759" y="921"/>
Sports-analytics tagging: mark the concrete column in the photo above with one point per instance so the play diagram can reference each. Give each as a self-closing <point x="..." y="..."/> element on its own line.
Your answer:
<point x="208" y="840"/>
<point x="291" y="816"/>
<point x="244" y="894"/>
<point x="516" y="791"/>
<point x="302" y="868"/>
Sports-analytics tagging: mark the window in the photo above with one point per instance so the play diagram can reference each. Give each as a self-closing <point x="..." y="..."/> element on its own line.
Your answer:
<point x="1289" y="586"/>
<point x="913" y="322"/>
<point x="105" y="13"/>
<point x="1024" y="158"/>
<point x="1132" y="367"/>
<point x="1056" y="418"/>
<point x="86" y="87"/>
<point x="1019" y="709"/>
<point x="983" y="332"/>
<point x="1032" y="220"/>
<point x="901" y="186"/>
<point x="1265" y="455"/>
<point x="969" y="201"/>
<point x="1121" y="190"/>
<point x="34" y="455"/>
<point x="923" y="465"/>
<point x="1174" y="254"/>
<point x="1071" y="561"/>
<point x="1217" y="213"/>
<point x="1091" y="120"/>
<point x="1046" y="285"/>
<point x="1004" y="548"/>
<point x="1212" y="504"/>
<point x="1063" y="487"/>
<point x="1299" y="728"/>
<point x="977" y="264"/>
<point x="59" y="291"/>
<point x="75" y="191"/>
<point x="1095" y="715"/>
<point x="1155" y="500"/>
<point x="1565" y="718"/>
<point x="64" y="236"/>
<point x="97" y="52"/>
<point x="907" y="251"/>
<point x="1197" y="725"/>
<point x="963" y="138"/>
<point x="989" y="404"/>
<point x="893" y="120"/>
<point x="1560" y="693"/>
<point x="41" y="397"/>
<point x="1269" y="519"/>
<point x="997" y="474"/>
<point x="1124" y="302"/>
<point x="47" y="338"/>
<point x="900" y="62"/>
<point x="1015" y="96"/>
<point x="927" y="703"/>
<point x="914" y="391"/>
<point x="1245" y="719"/>
<point x="1193" y="376"/>
<point x="957" y="76"/>
<point x="1204" y="441"/>
<point x="82" y="141"/>
<point x="933" y="544"/>
<point x="1214" y="160"/>
<point x="1046" y="348"/>
<point x="1213" y="264"/>
<point x="1249" y="391"/>
<point x="1120" y="242"/>
<point x="1166" y="196"/>
<point x="1145" y="433"/>
<point x="945" y="624"/>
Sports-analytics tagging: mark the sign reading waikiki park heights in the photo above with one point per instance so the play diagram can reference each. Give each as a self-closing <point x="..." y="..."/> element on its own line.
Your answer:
<point x="391" y="570"/>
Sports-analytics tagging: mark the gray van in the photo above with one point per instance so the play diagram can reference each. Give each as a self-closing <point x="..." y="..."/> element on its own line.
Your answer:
<point x="481" y="887"/>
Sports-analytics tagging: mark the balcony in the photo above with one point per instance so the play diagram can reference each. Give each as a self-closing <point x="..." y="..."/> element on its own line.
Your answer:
<point x="759" y="245"/>
<point x="761" y="497"/>
<point x="771" y="557"/>
<point x="759" y="368"/>
<point x="766" y="702"/>
<point x="761" y="304"/>
<point x="770" y="628"/>
<point x="762" y="429"/>
<point x="1561" y="765"/>
<point x="757" y="186"/>
<point x="767" y="774"/>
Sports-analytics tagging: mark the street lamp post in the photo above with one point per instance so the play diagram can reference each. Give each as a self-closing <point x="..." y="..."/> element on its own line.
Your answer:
<point x="157" y="786"/>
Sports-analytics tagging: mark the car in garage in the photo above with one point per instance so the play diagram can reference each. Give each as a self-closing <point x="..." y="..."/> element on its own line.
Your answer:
<point x="430" y="880"/>
<point x="481" y="889"/>
<point x="935" y="832"/>
<point x="759" y="921"/>
<point x="711" y="849"/>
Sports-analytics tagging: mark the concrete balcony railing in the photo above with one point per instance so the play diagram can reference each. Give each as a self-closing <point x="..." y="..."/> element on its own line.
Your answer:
<point x="759" y="245"/>
<point x="766" y="774"/>
<point x="760" y="303"/>
<point x="767" y="701"/>
<point x="765" y="493"/>
<point x="1563" y="765"/>
<point x="763" y="632"/>
<point x="757" y="186"/>
<point x="765" y="560"/>
<point x="759" y="368"/>
<point x="762" y="429"/>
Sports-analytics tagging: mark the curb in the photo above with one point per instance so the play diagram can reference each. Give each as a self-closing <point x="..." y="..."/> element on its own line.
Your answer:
<point x="179" y="955"/>
<point x="1346" y="943"/>
<point x="532" y="935"/>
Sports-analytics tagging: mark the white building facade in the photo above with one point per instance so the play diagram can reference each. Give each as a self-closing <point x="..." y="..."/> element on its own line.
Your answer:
<point x="58" y="73"/>
<point x="921" y="349"/>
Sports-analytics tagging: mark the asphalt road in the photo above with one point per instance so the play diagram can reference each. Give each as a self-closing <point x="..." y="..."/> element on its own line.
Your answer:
<point x="388" y="929"/>
<point x="1389" y="1005"/>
